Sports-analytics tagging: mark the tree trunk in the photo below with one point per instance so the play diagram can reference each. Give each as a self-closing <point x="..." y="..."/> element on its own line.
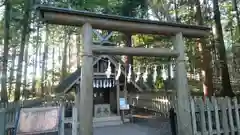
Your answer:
<point x="226" y="85"/>
<point x="176" y="11"/>
<point x="53" y="70"/>
<point x="237" y="15"/>
<point x="44" y="63"/>
<point x="7" y="16"/>
<point x="206" y="57"/>
<point x="64" y="61"/>
<point x="60" y="60"/>
<point x="25" y="72"/>
<point x="25" y="31"/>
<point x="129" y="44"/>
<point x="12" y="69"/>
<point x="35" y="63"/>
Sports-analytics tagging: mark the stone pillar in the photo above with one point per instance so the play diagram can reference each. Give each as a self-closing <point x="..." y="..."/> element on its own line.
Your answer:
<point x="184" y="122"/>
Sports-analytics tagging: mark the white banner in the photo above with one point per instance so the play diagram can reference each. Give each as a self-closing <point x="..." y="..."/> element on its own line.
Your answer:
<point x="38" y="120"/>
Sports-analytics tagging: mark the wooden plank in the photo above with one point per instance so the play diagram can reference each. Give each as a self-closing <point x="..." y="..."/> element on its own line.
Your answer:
<point x="202" y="116"/>
<point x="62" y="120"/>
<point x="230" y="115"/>
<point x="194" y="121"/>
<point x="85" y="112"/>
<point x="74" y="121"/>
<point x="215" y="104"/>
<point x="63" y="16"/>
<point x="223" y="105"/>
<point x="237" y="114"/>
<point x="209" y="114"/>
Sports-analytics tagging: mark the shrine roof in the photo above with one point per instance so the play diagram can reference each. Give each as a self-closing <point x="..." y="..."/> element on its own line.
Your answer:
<point x="66" y="84"/>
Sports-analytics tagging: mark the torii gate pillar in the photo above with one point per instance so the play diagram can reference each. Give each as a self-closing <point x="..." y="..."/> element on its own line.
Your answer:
<point x="184" y="122"/>
<point x="86" y="92"/>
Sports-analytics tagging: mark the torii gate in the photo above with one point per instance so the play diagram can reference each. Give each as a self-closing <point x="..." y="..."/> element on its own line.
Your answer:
<point x="88" y="21"/>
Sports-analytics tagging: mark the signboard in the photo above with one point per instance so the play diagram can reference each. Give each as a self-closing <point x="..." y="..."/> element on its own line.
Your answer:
<point x="123" y="104"/>
<point x="38" y="120"/>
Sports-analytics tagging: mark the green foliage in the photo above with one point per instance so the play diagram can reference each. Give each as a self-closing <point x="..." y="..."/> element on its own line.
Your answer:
<point x="38" y="83"/>
<point x="159" y="83"/>
<point x="162" y="10"/>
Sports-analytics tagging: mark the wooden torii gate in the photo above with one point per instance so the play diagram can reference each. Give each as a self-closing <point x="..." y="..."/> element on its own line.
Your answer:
<point x="88" y="21"/>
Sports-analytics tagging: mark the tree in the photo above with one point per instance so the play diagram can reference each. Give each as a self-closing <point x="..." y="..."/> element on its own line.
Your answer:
<point x="64" y="61"/>
<point x="60" y="40"/>
<point x="7" y="16"/>
<point x="237" y="16"/>
<point x="206" y="56"/>
<point x="25" y="32"/>
<point x="219" y="42"/>
<point x="11" y="75"/>
<point x="44" y="61"/>
<point x="35" y="61"/>
<point x="25" y="92"/>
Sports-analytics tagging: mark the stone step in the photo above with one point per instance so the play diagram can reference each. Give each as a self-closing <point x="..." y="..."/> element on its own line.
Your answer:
<point x="107" y="121"/>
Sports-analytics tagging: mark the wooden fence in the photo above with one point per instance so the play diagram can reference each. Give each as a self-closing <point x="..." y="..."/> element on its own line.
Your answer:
<point x="8" y="113"/>
<point x="160" y="104"/>
<point x="212" y="116"/>
<point x="12" y="107"/>
<point x="215" y="116"/>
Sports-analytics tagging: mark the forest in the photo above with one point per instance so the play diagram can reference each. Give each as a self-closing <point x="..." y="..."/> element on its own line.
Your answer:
<point x="36" y="56"/>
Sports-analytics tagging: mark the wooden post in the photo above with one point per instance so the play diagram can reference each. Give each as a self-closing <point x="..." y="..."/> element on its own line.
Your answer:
<point x="86" y="93"/>
<point x="3" y="122"/>
<point x="62" y="121"/>
<point x="118" y="90"/>
<point x="224" y="120"/>
<point x="183" y="95"/>
<point x="77" y="108"/>
<point x="169" y="70"/>
<point x="74" y="121"/>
